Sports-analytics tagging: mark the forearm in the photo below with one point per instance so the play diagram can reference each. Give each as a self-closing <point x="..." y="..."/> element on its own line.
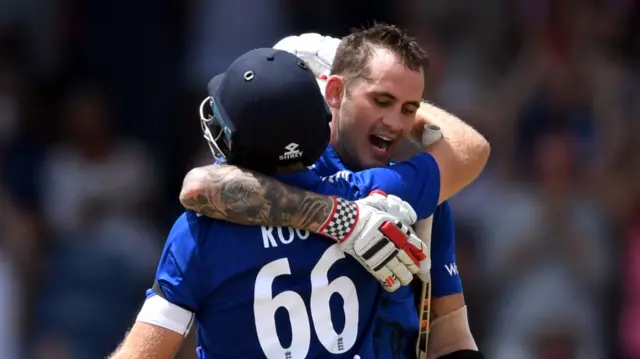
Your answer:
<point x="245" y="197"/>
<point x="146" y="341"/>
<point x="462" y="152"/>
<point x="468" y="145"/>
<point x="450" y="332"/>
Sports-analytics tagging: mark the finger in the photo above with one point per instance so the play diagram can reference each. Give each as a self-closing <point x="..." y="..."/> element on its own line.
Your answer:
<point x="425" y="271"/>
<point x="394" y="232"/>
<point x="288" y="44"/>
<point x="425" y="277"/>
<point x="411" y="213"/>
<point x="394" y="204"/>
<point x="377" y="201"/>
<point x="408" y="262"/>
<point x="416" y="248"/>
<point x="406" y="229"/>
<point x="377" y="252"/>
<point x="389" y="281"/>
<point x="377" y="192"/>
<point x="401" y="271"/>
<point x="414" y="244"/>
<point x="404" y="210"/>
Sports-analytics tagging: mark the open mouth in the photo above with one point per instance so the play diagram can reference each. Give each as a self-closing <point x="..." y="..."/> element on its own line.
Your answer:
<point x="380" y="143"/>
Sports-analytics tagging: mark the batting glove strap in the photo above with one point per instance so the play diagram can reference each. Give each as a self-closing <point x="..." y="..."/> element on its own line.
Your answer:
<point x="342" y="221"/>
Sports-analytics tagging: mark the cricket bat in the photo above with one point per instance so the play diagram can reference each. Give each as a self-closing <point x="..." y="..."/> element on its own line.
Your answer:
<point x="430" y="135"/>
<point x="423" y="230"/>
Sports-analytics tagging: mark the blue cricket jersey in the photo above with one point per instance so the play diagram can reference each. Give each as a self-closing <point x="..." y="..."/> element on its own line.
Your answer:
<point x="271" y="292"/>
<point x="397" y="323"/>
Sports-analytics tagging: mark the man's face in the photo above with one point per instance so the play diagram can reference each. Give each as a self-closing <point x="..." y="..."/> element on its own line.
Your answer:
<point x="376" y="113"/>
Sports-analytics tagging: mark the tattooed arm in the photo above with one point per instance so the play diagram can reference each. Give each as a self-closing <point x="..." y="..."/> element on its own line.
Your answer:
<point x="244" y="197"/>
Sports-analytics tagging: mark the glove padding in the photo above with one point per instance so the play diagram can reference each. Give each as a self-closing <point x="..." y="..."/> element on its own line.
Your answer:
<point x="396" y="207"/>
<point x="316" y="50"/>
<point x="382" y="242"/>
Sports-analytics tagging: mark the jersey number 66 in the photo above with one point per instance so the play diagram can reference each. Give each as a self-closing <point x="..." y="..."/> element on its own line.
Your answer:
<point x="265" y="306"/>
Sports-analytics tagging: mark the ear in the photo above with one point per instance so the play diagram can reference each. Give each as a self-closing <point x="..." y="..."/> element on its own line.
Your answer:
<point x="334" y="90"/>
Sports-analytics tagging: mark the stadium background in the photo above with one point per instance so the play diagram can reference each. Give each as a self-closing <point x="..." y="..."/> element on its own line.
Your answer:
<point x="98" y="124"/>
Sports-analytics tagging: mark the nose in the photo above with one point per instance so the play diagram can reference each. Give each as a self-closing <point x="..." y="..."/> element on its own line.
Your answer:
<point x="393" y="123"/>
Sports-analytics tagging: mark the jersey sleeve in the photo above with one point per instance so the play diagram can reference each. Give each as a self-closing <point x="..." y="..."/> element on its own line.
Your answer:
<point x="416" y="181"/>
<point x="177" y="274"/>
<point x="173" y="300"/>
<point x="445" y="278"/>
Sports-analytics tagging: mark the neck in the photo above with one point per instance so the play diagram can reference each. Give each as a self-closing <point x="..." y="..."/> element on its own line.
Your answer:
<point x="345" y="158"/>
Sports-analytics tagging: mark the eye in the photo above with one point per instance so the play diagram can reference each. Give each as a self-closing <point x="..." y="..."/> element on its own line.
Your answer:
<point x="409" y="109"/>
<point x="381" y="102"/>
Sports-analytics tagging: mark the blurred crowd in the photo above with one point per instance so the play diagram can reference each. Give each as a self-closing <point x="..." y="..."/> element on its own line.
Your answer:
<point x="98" y="106"/>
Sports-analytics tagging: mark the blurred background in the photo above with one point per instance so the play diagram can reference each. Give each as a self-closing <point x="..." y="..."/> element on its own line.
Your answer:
<point x="98" y="125"/>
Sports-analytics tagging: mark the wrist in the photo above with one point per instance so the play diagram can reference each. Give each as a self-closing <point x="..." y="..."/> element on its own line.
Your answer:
<point x="341" y="220"/>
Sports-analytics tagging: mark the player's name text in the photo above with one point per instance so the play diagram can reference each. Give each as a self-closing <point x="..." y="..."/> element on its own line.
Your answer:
<point x="272" y="237"/>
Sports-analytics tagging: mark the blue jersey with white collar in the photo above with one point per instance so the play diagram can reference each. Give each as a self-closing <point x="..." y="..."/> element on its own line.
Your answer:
<point x="416" y="181"/>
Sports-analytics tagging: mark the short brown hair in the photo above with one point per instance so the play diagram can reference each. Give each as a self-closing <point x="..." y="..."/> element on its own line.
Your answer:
<point x="355" y="50"/>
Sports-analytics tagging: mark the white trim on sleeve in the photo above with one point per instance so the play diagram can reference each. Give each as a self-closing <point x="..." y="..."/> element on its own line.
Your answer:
<point x="159" y="311"/>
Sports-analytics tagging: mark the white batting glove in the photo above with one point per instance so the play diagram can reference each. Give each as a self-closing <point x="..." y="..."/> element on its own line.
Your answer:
<point x="316" y="50"/>
<point x="397" y="207"/>
<point x="379" y="241"/>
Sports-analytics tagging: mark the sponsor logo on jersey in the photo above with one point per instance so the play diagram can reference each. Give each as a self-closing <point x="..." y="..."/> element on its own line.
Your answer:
<point x="452" y="269"/>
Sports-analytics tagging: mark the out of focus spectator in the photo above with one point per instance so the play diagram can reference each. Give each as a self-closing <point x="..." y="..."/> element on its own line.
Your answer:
<point x="557" y="343"/>
<point x="96" y="204"/>
<point x="549" y="255"/>
<point x="14" y="239"/>
<point x="229" y="25"/>
<point x="9" y="106"/>
<point x="624" y="199"/>
<point x="92" y="176"/>
<point x="38" y="22"/>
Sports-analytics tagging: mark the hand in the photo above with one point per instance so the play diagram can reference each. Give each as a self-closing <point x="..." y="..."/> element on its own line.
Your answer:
<point x="379" y="241"/>
<point x="403" y="211"/>
<point x="316" y="50"/>
<point x="391" y="204"/>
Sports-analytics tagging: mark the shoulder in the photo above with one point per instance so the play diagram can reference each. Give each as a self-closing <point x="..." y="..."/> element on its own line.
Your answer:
<point x="189" y="231"/>
<point x="342" y="184"/>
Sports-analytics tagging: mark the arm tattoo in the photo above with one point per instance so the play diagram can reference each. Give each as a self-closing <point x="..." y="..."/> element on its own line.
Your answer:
<point x="244" y="197"/>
